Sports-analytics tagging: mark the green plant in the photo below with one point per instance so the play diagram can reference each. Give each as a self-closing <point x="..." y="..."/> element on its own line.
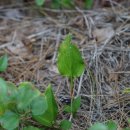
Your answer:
<point x="71" y="65"/>
<point x="20" y="104"/>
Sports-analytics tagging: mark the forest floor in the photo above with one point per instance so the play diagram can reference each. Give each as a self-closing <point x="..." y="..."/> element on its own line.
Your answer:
<point x="31" y="40"/>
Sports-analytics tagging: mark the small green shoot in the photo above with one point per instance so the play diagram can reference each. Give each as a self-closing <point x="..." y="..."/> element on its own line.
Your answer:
<point x="65" y="125"/>
<point x="71" y="65"/>
<point x="75" y="106"/>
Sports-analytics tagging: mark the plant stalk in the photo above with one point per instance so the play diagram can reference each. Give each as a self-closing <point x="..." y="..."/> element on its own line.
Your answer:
<point x="71" y="95"/>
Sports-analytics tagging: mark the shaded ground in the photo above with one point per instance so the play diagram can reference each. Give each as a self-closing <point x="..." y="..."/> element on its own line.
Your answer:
<point x="103" y="36"/>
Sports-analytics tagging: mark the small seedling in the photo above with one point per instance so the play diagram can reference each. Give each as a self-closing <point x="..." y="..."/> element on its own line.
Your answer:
<point x="70" y="64"/>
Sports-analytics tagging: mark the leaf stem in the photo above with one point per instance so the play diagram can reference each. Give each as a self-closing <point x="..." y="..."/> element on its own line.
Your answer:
<point x="71" y="95"/>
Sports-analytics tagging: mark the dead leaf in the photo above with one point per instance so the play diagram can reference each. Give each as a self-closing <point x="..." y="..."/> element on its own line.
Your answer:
<point x="113" y="77"/>
<point x="103" y="34"/>
<point x="54" y="69"/>
<point x="18" y="48"/>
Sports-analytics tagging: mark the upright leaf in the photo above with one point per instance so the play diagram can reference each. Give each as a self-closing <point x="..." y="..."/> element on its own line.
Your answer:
<point x="65" y="125"/>
<point x="3" y="63"/>
<point x="9" y="120"/>
<point x="25" y="95"/>
<point x="75" y="106"/>
<point x="49" y="117"/>
<point x="70" y="62"/>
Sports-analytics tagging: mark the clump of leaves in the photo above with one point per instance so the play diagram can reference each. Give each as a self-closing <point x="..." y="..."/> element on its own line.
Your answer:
<point x="19" y="103"/>
<point x="26" y="102"/>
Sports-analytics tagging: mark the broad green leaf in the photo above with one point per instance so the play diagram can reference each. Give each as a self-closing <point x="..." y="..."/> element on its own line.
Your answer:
<point x="3" y="89"/>
<point x="111" y="125"/>
<point x="31" y="128"/>
<point x="39" y="2"/>
<point x="9" y="120"/>
<point x="89" y="4"/>
<point x="75" y="106"/>
<point x="98" y="126"/>
<point x="49" y="117"/>
<point x="39" y="105"/>
<point x="25" y="95"/>
<point x="3" y="63"/>
<point x="65" y="125"/>
<point x="70" y="62"/>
